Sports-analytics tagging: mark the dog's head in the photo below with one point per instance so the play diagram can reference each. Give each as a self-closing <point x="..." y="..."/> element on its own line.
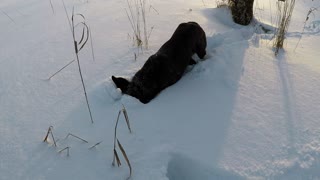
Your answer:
<point x="121" y="83"/>
<point x="133" y="89"/>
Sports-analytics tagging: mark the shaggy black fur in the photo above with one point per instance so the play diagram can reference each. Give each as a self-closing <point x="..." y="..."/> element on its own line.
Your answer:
<point x="167" y="66"/>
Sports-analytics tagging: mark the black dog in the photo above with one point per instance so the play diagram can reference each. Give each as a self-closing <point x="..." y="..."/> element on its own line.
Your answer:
<point x="167" y="66"/>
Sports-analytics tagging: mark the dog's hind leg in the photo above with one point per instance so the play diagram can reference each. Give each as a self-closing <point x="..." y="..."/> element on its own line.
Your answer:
<point x="192" y="61"/>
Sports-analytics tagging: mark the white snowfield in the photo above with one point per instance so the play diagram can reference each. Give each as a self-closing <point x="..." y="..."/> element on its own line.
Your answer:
<point x="242" y="113"/>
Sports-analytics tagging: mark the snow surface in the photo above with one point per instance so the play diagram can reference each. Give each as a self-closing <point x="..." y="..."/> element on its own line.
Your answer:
<point x="240" y="114"/>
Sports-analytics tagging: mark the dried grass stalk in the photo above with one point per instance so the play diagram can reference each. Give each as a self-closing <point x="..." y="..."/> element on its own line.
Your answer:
<point x="126" y="118"/>
<point x="54" y="141"/>
<point x="125" y="157"/>
<point x="85" y="35"/>
<point x="115" y="137"/>
<point x="81" y="44"/>
<point x="311" y="10"/>
<point x="47" y="135"/>
<point x="136" y="14"/>
<point x="91" y="43"/>
<point x="116" y="158"/>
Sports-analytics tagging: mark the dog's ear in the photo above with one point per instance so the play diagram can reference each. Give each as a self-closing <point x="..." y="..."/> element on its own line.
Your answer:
<point x="121" y="83"/>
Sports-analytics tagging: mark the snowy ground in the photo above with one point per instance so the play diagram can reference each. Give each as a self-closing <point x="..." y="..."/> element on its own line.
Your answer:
<point x="240" y="114"/>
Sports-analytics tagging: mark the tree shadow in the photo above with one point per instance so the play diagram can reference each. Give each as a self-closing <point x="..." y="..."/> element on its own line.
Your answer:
<point x="289" y="98"/>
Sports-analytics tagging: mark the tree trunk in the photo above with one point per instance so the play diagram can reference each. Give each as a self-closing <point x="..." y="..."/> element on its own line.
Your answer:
<point x="242" y="11"/>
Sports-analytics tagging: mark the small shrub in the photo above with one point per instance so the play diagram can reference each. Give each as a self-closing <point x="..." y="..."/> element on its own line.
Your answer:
<point x="285" y="9"/>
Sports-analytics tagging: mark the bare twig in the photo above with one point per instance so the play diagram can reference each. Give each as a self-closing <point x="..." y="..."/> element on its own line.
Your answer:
<point x="150" y="32"/>
<point x="91" y="43"/>
<point x="66" y="148"/>
<point x="95" y="145"/>
<point x="51" y="6"/>
<point x="151" y="7"/>
<point x="7" y="16"/>
<point x="76" y="137"/>
<point x="204" y="4"/>
<point x="61" y="69"/>
<point x="54" y="141"/>
<point x="65" y="10"/>
<point x="144" y="20"/>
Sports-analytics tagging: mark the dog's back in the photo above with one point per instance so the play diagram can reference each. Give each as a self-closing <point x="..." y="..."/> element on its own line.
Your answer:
<point x="188" y="38"/>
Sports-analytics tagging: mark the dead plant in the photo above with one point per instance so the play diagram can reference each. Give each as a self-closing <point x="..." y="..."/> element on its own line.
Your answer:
<point x="116" y="158"/>
<point x="136" y="14"/>
<point x="285" y="10"/>
<point x="78" y="46"/>
<point x="77" y="137"/>
<point x="47" y="135"/>
<point x="311" y="11"/>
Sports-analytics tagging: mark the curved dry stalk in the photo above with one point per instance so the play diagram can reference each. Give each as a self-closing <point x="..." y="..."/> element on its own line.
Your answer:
<point x="77" y="57"/>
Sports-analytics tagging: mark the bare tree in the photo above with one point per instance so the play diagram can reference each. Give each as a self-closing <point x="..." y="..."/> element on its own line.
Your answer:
<point x="242" y="11"/>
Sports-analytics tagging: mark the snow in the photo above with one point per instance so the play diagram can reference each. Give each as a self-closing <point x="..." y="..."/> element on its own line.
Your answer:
<point x="240" y="114"/>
